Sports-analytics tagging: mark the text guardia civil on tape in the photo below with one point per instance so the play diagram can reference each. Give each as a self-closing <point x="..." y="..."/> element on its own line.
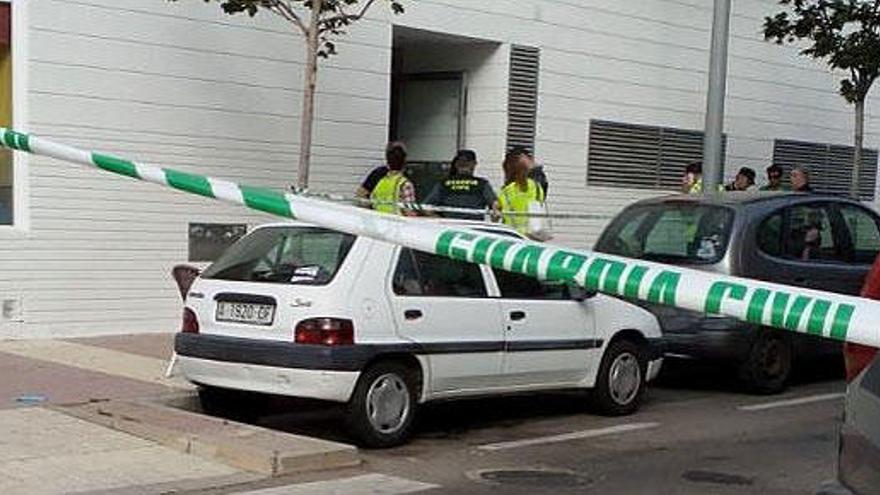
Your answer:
<point x="826" y="314"/>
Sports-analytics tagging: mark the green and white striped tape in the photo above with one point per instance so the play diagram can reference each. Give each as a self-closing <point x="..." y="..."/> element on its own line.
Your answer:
<point x="825" y="314"/>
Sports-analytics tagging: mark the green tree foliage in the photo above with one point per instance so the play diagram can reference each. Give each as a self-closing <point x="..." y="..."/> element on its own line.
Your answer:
<point x="845" y="34"/>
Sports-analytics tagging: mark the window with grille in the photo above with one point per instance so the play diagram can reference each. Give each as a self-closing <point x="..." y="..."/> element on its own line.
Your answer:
<point x="522" y="97"/>
<point x="641" y="156"/>
<point x="829" y="165"/>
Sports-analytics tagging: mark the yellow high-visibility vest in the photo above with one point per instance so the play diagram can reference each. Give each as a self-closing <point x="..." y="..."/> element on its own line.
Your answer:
<point x="387" y="193"/>
<point x="514" y="199"/>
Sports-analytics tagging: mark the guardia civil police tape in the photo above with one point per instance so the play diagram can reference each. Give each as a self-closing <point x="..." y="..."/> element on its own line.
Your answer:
<point x="819" y="313"/>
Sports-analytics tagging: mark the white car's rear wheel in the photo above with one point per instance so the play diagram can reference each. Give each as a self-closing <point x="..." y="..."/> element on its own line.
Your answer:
<point x="382" y="408"/>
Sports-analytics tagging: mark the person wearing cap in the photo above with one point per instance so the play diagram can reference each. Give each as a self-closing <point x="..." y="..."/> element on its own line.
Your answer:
<point x="744" y="181"/>
<point x="366" y="188"/>
<point x="394" y="188"/>
<point x="462" y="189"/>
<point x="774" y="179"/>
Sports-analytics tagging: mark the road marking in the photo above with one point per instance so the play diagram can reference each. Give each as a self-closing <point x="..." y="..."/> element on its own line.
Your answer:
<point x="117" y="363"/>
<point x="565" y="437"/>
<point x="368" y="484"/>
<point x="791" y="402"/>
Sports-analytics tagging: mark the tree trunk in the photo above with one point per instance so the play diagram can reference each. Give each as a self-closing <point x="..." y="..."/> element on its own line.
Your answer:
<point x="308" y="104"/>
<point x="857" y="152"/>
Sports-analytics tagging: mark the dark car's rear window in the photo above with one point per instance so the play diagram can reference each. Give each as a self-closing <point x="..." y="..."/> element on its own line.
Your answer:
<point x="669" y="232"/>
<point x="283" y="255"/>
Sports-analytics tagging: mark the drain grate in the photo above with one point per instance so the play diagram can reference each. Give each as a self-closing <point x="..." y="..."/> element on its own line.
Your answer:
<point x="532" y="477"/>
<point x="717" y="478"/>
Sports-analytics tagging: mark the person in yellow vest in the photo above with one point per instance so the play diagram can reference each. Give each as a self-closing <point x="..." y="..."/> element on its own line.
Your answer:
<point x="692" y="181"/>
<point x="394" y="187"/>
<point x="518" y="191"/>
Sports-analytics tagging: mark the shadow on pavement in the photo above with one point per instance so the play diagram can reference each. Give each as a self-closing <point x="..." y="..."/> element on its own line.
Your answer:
<point x="710" y="376"/>
<point x="453" y="419"/>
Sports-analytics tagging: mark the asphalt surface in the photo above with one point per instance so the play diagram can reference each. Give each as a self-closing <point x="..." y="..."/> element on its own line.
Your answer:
<point x="697" y="433"/>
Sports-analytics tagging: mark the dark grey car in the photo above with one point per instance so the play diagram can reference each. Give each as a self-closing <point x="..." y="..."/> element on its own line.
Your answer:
<point x="816" y="241"/>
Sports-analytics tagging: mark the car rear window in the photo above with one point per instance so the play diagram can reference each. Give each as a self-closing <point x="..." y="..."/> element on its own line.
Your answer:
<point x="283" y="255"/>
<point x="670" y="232"/>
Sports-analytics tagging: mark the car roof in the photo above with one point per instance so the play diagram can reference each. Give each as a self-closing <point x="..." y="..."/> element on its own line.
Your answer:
<point x="443" y="221"/>
<point x="744" y="199"/>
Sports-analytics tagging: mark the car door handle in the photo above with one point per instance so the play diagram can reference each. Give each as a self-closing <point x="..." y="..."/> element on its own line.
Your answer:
<point x="517" y="315"/>
<point x="412" y="314"/>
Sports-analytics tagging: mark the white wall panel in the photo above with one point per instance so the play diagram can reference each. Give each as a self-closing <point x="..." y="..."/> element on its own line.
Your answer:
<point x="186" y="86"/>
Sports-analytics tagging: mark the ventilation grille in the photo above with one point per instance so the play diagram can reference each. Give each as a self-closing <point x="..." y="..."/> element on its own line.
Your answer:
<point x="830" y="165"/>
<point x="641" y="157"/>
<point x="522" y="99"/>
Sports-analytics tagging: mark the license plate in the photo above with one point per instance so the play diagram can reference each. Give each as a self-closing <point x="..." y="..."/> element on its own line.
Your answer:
<point x="254" y="314"/>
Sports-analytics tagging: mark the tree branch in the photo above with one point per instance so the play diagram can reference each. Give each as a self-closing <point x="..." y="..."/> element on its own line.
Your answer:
<point x="286" y="10"/>
<point x="348" y="17"/>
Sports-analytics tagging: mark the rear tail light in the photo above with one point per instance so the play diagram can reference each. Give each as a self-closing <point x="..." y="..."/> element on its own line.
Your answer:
<point x="190" y="322"/>
<point x="857" y="358"/>
<point x="325" y="331"/>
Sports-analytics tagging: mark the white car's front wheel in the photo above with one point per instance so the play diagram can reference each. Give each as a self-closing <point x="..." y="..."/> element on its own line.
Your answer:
<point x="620" y="384"/>
<point x="382" y="408"/>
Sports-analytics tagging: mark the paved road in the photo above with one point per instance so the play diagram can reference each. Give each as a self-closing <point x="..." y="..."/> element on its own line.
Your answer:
<point x="696" y="434"/>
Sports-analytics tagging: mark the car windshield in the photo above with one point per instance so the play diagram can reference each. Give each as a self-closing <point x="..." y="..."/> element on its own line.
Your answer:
<point x="670" y="232"/>
<point x="283" y="255"/>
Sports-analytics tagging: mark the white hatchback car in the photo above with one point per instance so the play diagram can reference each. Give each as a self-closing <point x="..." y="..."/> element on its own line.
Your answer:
<point x="302" y="311"/>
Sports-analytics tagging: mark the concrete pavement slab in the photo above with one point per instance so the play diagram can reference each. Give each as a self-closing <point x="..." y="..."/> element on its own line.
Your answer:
<point x="368" y="484"/>
<point x="153" y="345"/>
<point x="244" y="446"/>
<point x="59" y="384"/>
<point x="46" y="452"/>
<point x="123" y="364"/>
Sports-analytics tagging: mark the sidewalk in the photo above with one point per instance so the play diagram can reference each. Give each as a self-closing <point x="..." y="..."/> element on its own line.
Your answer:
<point x="70" y="371"/>
<point x="47" y="444"/>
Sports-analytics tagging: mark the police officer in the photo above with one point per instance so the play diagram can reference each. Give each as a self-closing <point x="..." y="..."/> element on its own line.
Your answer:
<point x="519" y="192"/>
<point x="394" y="188"/>
<point x="461" y="189"/>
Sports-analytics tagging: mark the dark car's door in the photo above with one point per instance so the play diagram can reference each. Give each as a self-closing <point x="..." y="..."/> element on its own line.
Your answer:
<point x="804" y="245"/>
<point x="860" y="229"/>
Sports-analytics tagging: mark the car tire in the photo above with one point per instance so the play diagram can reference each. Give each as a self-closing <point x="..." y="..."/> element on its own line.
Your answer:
<point x="237" y="405"/>
<point x="768" y="366"/>
<point x="382" y="408"/>
<point x="620" y="383"/>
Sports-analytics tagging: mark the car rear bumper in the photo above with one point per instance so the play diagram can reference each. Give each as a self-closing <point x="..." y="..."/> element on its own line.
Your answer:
<point x="722" y="343"/>
<point x="273" y="353"/>
<point x="274" y="367"/>
<point x="334" y="386"/>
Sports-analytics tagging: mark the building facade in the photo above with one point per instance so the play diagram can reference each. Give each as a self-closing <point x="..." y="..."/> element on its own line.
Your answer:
<point x="609" y="93"/>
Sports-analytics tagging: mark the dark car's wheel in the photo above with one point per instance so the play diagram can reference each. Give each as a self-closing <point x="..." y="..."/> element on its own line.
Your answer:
<point x="381" y="410"/>
<point x="237" y="405"/>
<point x="620" y="384"/>
<point x="767" y="368"/>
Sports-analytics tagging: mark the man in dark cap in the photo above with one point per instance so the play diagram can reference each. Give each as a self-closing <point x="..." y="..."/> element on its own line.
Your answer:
<point x="462" y="189"/>
<point x="744" y="181"/>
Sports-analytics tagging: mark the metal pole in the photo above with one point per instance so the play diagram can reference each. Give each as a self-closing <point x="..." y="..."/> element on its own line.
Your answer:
<point x="713" y="159"/>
